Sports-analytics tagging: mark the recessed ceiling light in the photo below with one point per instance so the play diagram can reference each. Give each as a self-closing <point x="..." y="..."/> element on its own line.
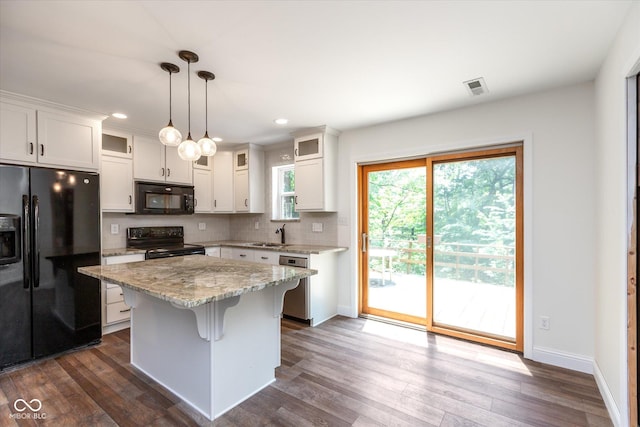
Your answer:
<point x="216" y="139"/>
<point x="119" y="115"/>
<point x="281" y="121"/>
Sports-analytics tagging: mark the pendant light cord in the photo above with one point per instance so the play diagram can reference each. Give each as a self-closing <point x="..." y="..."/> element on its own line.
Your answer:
<point x="170" y="121"/>
<point x="189" y="96"/>
<point x="206" y="108"/>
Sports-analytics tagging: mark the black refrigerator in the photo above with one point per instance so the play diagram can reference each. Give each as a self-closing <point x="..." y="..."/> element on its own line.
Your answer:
<point x="49" y="226"/>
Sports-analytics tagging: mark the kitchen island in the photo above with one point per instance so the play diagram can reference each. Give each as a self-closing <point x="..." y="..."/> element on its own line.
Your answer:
<point x="207" y="329"/>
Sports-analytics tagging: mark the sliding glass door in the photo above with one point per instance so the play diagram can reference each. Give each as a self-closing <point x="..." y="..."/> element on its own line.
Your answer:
<point x="393" y="240"/>
<point x="441" y="244"/>
<point x="474" y="287"/>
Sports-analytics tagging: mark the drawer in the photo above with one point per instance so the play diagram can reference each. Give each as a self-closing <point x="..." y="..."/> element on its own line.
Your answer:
<point x="267" y="257"/>
<point x="114" y="294"/>
<point x="117" y="312"/>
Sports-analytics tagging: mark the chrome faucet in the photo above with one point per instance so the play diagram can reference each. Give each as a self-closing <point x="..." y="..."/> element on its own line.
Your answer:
<point x="281" y="231"/>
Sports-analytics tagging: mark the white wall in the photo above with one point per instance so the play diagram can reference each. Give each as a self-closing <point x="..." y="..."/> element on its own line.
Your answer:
<point x="557" y="127"/>
<point x="611" y="217"/>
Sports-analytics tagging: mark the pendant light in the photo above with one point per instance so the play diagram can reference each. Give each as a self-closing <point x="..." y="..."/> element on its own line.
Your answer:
<point x="169" y="135"/>
<point x="188" y="149"/>
<point x="206" y="144"/>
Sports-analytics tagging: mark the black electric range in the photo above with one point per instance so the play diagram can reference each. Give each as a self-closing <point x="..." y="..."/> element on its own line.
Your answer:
<point x="161" y="242"/>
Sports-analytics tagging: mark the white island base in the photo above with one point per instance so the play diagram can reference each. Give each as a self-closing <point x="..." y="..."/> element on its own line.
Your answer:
<point x="213" y="356"/>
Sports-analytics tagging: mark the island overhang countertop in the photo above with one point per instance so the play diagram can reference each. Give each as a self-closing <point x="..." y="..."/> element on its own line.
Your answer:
<point x="194" y="280"/>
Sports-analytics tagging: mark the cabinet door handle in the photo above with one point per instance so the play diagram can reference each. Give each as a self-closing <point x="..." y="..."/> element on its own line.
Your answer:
<point x="215" y="203"/>
<point x="161" y="171"/>
<point x="168" y="172"/>
<point x="246" y="203"/>
<point x="42" y="149"/>
<point x="295" y="152"/>
<point x="130" y="199"/>
<point x="124" y="311"/>
<point x="129" y="148"/>
<point x="243" y="255"/>
<point x="264" y="257"/>
<point x="295" y="200"/>
<point x="195" y="203"/>
<point x="31" y="148"/>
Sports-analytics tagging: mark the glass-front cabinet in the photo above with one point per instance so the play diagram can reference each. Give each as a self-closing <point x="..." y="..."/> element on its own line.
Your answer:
<point x="308" y="147"/>
<point x="117" y="144"/>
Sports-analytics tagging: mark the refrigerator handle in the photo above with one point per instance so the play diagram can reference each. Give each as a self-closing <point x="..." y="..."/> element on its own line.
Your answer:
<point x="26" y="264"/>
<point x="36" y="242"/>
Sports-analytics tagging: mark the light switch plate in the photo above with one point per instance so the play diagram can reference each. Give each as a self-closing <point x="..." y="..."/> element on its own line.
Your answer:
<point x="115" y="228"/>
<point x="202" y="226"/>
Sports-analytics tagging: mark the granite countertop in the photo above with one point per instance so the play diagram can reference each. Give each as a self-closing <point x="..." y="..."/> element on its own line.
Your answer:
<point x="190" y="281"/>
<point x="295" y="248"/>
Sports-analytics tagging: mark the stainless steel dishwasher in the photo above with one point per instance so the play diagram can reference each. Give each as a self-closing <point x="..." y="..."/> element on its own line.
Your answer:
<point x="296" y="301"/>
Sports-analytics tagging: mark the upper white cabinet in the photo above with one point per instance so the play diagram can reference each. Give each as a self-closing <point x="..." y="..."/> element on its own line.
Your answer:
<point x="39" y="134"/>
<point x="153" y="161"/>
<point x="308" y="147"/>
<point x="18" y="133"/>
<point x="202" y="183"/>
<point x="316" y="156"/>
<point x="223" y="182"/>
<point x="204" y="162"/>
<point x="241" y="160"/>
<point x="117" y="144"/>
<point x="116" y="184"/>
<point x="248" y="181"/>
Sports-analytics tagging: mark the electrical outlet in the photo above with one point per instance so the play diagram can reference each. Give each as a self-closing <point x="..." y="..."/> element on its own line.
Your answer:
<point x="115" y="228"/>
<point x="257" y="225"/>
<point x="316" y="227"/>
<point x="202" y="226"/>
<point x="545" y="323"/>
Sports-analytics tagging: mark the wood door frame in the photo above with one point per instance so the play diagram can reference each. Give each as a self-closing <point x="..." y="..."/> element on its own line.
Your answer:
<point x="363" y="259"/>
<point x="517" y="151"/>
<point x="633" y="148"/>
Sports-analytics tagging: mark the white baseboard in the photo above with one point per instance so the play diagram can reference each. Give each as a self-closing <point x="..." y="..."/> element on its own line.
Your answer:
<point x="347" y="311"/>
<point x="562" y="359"/>
<point x="609" y="402"/>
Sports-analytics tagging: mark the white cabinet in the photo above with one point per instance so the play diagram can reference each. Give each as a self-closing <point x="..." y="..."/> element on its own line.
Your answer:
<point x="308" y="147"/>
<point x="204" y="162"/>
<point x="116" y="184"/>
<point x="316" y="170"/>
<point x="117" y="144"/>
<point x="248" y="181"/>
<point x="32" y="134"/>
<point x="223" y="182"/>
<point x="241" y="159"/>
<point x="203" y="192"/>
<point x="17" y="133"/>
<point x="116" y="313"/>
<point x="226" y="253"/>
<point x="213" y="251"/>
<point x="153" y="161"/>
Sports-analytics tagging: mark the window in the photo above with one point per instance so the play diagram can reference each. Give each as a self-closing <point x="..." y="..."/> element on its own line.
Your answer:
<point x="283" y="185"/>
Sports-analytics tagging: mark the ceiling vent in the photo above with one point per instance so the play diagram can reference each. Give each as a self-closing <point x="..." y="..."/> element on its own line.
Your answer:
<point x="476" y="86"/>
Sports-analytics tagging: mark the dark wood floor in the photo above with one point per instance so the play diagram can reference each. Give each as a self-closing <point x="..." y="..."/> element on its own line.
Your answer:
<point x="345" y="372"/>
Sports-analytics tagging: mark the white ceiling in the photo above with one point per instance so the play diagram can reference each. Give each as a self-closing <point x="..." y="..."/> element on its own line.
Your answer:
<point x="345" y="64"/>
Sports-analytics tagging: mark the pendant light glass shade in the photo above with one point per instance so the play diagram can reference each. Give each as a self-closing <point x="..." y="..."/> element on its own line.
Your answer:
<point x="169" y="135"/>
<point x="207" y="145"/>
<point x="189" y="150"/>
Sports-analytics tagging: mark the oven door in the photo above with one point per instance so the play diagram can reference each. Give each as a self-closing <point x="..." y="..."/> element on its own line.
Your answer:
<point x="154" y="199"/>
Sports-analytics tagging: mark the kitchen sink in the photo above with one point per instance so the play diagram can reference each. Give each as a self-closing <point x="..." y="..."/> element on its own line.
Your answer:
<point x="267" y="245"/>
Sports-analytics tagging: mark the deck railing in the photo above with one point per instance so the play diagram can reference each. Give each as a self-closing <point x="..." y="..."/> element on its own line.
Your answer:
<point x="463" y="261"/>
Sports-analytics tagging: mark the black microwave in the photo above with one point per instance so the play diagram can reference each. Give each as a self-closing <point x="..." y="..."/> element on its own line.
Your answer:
<point x="158" y="199"/>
